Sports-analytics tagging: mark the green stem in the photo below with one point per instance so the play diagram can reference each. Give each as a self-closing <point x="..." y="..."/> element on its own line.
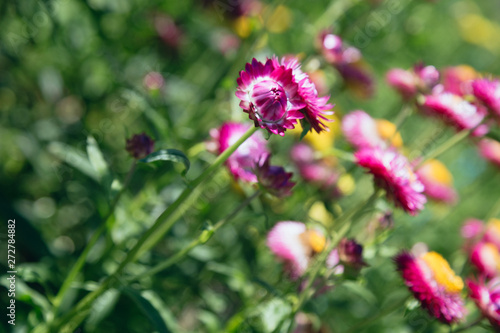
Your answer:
<point x="494" y="211"/>
<point x="203" y="238"/>
<point x="444" y="146"/>
<point x="334" y="11"/>
<point x="402" y="116"/>
<point x="93" y="240"/>
<point x="340" y="154"/>
<point x="151" y="237"/>
<point x="381" y="314"/>
<point x="344" y="222"/>
<point x="472" y="324"/>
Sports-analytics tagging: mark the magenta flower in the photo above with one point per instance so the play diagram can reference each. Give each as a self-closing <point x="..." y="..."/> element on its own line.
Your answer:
<point x="348" y="62"/>
<point x="486" y="257"/>
<point x="273" y="179"/>
<point x="409" y="82"/>
<point x="362" y="131"/>
<point x="394" y="173"/>
<point x="351" y="253"/>
<point x="403" y="81"/>
<point x="487" y="299"/>
<point x="331" y="47"/>
<point x="140" y="145"/>
<point x="454" y="110"/>
<point x="242" y="162"/>
<point x="428" y="76"/>
<point x="296" y="245"/>
<point x="472" y="228"/>
<point x="275" y="95"/>
<point x="319" y="172"/>
<point x="434" y="284"/>
<point x="316" y="107"/>
<point x="488" y="92"/>
<point x="490" y="150"/>
<point x="438" y="181"/>
<point x="458" y="80"/>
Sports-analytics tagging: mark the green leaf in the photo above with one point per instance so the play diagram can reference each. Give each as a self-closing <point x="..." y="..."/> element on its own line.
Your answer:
<point x="25" y="294"/>
<point x="101" y="308"/>
<point x="96" y="158"/>
<point x="306" y="128"/>
<point x="173" y="155"/>
<point x="148" y="309"/>
<point x="273" y="312"/>
<point x="167" y="315"/>
<point x="73" y="157"/>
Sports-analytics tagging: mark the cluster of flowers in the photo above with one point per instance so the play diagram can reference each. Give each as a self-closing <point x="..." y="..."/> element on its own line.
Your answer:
<point x="438" y="288"/>
<point x="276" y="94"/>
<point x="462" y="99"/>
<point x="348" y="61"/>
<point x="251" y="161"/>
<point x="297" y="245"/>
<point x="483" y="248"/>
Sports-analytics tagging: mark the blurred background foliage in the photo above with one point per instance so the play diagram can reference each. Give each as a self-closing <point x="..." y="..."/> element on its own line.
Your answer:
<point x="73" y="70"/>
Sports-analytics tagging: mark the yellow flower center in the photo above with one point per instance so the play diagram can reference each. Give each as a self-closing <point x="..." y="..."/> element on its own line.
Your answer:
<point x="387" y="131"/>
<point x="443" y="274"/>
<point x="315" y="240"/>
<point x="438" y="172"/>
<point x="494" y="225"/>
<point x="491" y="255"/>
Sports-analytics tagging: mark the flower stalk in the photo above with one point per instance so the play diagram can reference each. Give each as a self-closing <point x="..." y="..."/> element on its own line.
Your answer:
<point x="203" y="238"/>
<point x="162" y="225"/>
<point x="93" y="240"/>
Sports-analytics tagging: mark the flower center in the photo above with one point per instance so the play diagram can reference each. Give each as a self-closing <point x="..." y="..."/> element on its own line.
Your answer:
<point x="443" y="274"/>
<point x="494" y="225"/>
<point x="438" y="172"/>
<point x="490" y="255"/>
<point x="314" y="239"/>
<point x="269" y="100"/>
<point x="387" y="131"/>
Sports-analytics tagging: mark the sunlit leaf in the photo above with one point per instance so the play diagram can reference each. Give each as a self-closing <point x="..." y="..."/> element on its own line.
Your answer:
<point x="173" y="155"/>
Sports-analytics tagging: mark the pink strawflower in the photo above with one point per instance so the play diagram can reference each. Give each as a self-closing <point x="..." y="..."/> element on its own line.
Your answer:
<point x="296" y="245"/>
<point x="472" y="228"/>
<point x="454" y="110"/>
<point x="488" y="92"/>
<point x="140" y="145"/>
<point x="408" y="82"/>
<point x="487" y="299"/>
<point x="316" y="107"/>
<point x="434" y="284"/>
<point x="492" y="232"/>
<point x="490" y="150"/>
<point x="458" y="80"/>
<point x="331" y="47"/>
<point x="320" y="172"/>
<point x="302" y="153"/>
<point x="403" y="81"/>
<point x="276" y="95"/>
<point x="362" y="131"/>
<point x="486" y="257"/>
<point x="428" y="76"/>
<point x="393" y="172"/>
<point x="273" y="179"/>
<point x="438" y="181"/>
<point x="348" y="62"/>
<point x="242" y="162"/>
